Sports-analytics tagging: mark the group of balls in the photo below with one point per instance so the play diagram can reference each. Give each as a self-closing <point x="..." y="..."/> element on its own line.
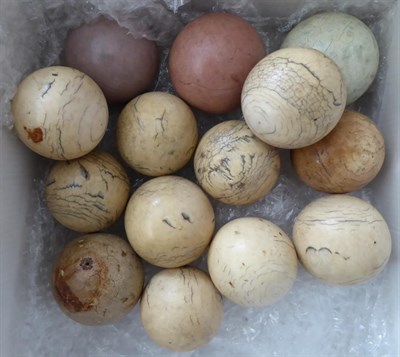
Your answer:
<point x="293" y="98"/>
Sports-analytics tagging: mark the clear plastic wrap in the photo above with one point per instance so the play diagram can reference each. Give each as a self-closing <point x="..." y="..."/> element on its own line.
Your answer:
<point x="313" y="319"/>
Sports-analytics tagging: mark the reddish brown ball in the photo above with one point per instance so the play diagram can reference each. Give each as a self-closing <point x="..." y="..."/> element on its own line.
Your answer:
<point x="211" y="58"/>
<point x="122" y="65"/>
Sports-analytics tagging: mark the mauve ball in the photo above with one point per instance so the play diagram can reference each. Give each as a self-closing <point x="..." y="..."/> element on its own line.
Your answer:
<point x="211" y="58"/>
<point x="122" y="65"/>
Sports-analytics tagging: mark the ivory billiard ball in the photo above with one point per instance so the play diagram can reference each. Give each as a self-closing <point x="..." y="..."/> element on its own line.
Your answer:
<point x="169" y="221"/>
<point x="87" y="194"/>
<point x="347" y="41"/>
<point x="233" y="165"/>
<point x="59" y="113"/>
<point x="293" y="97"/>
<point x="345" y="160"/>
<point x="342" y="239"/>
<point x="157" y="133"/>
<point x="252" y="262"/>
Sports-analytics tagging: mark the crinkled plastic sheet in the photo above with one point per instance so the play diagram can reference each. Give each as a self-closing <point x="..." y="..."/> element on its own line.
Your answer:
<point x="313" y="319"/>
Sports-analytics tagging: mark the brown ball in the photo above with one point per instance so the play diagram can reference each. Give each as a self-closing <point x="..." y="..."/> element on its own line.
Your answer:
<point x="345" y="160"/>
<point x="211" y="58"/>
<point x="122" y="65"/>
<point x="97" y="279"/>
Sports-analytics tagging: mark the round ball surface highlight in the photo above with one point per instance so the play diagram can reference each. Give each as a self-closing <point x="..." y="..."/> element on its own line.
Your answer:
<point x="157" y="133"/>
<point x="233" y="165"/>
<point x="346" y="160"/>
<point x="293" y="97"/>
<point x="347" y="41"/>
<point x="169" y="221"/>
<point x="210" y="59"/>
<point x="97" y="279"/>
<point x="87" y="194"/>
<point x="252" y="262"/>
<point x="122" y="65"/>
<point x="59" y="113"/>
<point x="342" y="239"/>
<point x="181" y="309"/>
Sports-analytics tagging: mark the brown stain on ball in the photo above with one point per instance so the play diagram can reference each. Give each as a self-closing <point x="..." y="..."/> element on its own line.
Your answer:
<point x="36" y="134"/>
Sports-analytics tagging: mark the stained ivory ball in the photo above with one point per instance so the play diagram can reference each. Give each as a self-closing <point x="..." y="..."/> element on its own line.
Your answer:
<point x="157" y="133"/>
<point x="293" y="97"/>
<point x="347" y="159"/>
<point x="342" y="239"/>
<point x="59" y="113"/>
<point x="169" y="221"/>
<point x="97" y="279"/>
<point x="210" y="59"/>
<point x="87" y="194"/>
<point x="347" y="41"/>
<point x="181" y="309"/>
<point x="123" y="65"/>
<point x="233" y="165"/>
<point x="252" y="262"/>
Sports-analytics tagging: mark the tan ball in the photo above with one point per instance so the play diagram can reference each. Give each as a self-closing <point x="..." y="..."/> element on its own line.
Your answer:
<point x="234" y="166"/>
<point x="169" y="221"/>
<point x="97" y="279"/>
<point x="346" y="160"/>
<point x="342" y="239"/>
<point x="157" y="133"/>
<point x="252" y="262"/>
<point x="181" y="309"/>
<point x="87" y="194"/>
<point x="60" y="113"/>
<point x="293" y="97"/>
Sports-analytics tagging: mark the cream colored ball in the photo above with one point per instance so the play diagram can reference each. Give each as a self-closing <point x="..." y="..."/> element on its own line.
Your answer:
<point x="342" y="239"/>
<point x="347" y="41"/>
<point x="157" y="133"/>
<point x="60" y="113"/>
<point x="293" y="97"/>
<point x="234" y="166"/>
<point x="87" y="194"/>
<point x="252" y="262"/>
<point x="169" y="221"/>
<point x="181" y="309"/>
<point x="97" y="279"/>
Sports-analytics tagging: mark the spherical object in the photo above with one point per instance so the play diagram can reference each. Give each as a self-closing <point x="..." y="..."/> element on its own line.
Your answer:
<point x="347" y="41"/>
<point x="342" y="239"/>
<point x="234" y="166"/>
<point x="122" y="65"/>
<point x="59" y="113"/>
<point x="347" y="159"/>
<point x="169" y="221"/>
<point x="87" y="194"/>
<point x="210" y="59"/>
<point x="252" y="262"/>
<point x="293" y="97"/>
<point x="157" y="133"/>
<point x="180" y="309"/>
<point x="97" y="279"/>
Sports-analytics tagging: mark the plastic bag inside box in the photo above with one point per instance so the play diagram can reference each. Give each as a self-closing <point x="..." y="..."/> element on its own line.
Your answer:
<point x="314" y="319"/>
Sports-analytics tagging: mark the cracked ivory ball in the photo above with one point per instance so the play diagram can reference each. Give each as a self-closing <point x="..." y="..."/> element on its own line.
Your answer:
<point x="169" y="221"/>
<point x="87" y="194"/>
<point x="157" y="133"/>
<point x="345" y="160"/>
<point x="342" y="239"/>
<point x="59" y="113"/>
<point x="97" y="279"/>
<point x="252" y="262"/>
<point x="293" y="97"/>
<point x="181" y="309"/>
<point x="234" y="166"/>
<point x="347" y="41"/>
